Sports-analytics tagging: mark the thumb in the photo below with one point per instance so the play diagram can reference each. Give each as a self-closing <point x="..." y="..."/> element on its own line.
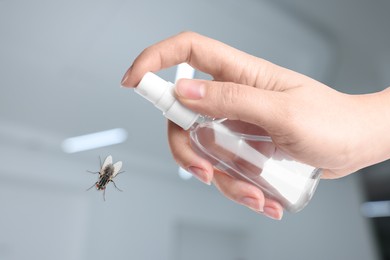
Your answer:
<point x="265" y="108"/>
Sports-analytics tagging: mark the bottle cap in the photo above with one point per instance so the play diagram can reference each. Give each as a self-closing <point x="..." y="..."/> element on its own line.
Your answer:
<point x="161" y="94"/>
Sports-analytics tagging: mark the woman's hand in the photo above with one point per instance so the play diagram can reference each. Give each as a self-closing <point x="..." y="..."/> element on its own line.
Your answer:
<point x="305" y="118"/>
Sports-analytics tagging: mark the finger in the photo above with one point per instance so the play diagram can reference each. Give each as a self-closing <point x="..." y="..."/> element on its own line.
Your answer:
<point x="248" y="195"/>
<point x="210" y="56"/>
<point x="268" y="109"/>
<point x="185" y="156"/>
<point x="272" y="209"/>
<point x="239" y="191"/>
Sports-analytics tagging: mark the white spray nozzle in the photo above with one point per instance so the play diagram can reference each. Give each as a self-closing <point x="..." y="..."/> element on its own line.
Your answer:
<point x="161" y="94"/>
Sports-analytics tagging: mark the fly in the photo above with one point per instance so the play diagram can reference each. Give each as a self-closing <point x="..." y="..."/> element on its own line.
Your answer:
<point x="108" y="171"/>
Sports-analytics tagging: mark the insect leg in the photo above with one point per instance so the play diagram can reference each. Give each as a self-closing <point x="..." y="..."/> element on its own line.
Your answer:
<point x="92" y="172"/>
<point x="92" y="186"/>
<point x="104" y="194"/>
<point x="116" y="186"/>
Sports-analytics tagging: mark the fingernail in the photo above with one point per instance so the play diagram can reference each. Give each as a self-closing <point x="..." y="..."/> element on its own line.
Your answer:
<point x="200" y="174"/>
<point x="190" y="89"/>
<point x="272" y="213"/>
<point x="125" y="77"/>
<point x="124" y="80"/>
<point x="252" y="203"/>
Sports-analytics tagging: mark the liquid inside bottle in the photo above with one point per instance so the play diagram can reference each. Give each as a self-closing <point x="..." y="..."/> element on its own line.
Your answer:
<point x="240" y="150"/>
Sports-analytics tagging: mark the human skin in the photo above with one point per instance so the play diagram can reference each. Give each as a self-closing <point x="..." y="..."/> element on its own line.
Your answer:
<point x="311" y="122"/>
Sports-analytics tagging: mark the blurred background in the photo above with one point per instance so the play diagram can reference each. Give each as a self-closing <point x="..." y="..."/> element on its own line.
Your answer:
<point x="61" y="63"/>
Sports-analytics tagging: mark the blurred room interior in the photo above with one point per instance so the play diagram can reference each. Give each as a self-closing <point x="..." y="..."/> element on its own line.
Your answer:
<point x="61" y="63"/>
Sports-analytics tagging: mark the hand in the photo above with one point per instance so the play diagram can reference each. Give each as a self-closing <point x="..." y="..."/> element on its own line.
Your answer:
<point x="305" y="118"/>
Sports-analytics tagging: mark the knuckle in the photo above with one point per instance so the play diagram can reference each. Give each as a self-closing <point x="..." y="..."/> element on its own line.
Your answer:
<point x="230" y="96"/>
<point x="188" y="34"/>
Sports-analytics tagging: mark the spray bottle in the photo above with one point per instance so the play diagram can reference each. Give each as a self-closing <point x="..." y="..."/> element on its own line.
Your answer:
<point x="236" y="148"/>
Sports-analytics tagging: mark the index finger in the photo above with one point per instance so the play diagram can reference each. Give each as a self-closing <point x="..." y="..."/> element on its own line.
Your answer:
<point x="205" y="54"/>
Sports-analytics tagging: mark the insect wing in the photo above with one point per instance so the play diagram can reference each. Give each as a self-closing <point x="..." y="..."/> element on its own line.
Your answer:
<point x="117" y="168"/>
<point x="107" y="161"/>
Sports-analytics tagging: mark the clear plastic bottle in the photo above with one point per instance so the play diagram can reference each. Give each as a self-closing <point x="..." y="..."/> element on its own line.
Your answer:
<point x="237" y="148"/>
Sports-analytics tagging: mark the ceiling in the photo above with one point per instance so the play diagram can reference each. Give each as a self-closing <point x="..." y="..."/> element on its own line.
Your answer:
<point x="61" y="62"/>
